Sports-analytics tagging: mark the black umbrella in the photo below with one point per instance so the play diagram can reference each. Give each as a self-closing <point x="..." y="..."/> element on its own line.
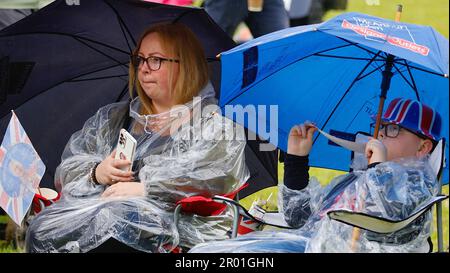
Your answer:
<point x="263" y="167"/>
<point x="60" y="64"/>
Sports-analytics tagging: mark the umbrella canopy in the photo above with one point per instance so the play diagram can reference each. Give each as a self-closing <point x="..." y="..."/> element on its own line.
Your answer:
<point x="332" y="74"/>
<point x="60" y="64"/>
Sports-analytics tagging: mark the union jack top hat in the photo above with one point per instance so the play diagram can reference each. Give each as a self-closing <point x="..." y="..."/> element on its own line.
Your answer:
<point x="414" y="116"/>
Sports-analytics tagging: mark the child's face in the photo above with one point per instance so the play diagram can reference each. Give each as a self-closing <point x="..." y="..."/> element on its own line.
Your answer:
<point x="405" y="144"/>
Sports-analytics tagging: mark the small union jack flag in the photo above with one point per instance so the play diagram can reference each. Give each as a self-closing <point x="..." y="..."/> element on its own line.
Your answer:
<point x="248" y="225"/>
<point x="21" y="170"/>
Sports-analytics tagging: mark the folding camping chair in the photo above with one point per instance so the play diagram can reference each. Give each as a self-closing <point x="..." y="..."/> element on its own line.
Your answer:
<point x="439" y="161"/>
<point x="276" y="219"/>
<point x="380" y="225"/>
<point x="263" y="174"/>
<point x="211" y="206"/>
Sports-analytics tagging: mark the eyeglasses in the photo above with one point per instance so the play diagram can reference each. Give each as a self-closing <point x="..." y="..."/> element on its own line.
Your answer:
<point x="392" y="130"/>
<point x="153" y="62"/>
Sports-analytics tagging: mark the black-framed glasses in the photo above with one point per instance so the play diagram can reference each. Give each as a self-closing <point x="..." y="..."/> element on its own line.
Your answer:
<point x="153" y="62"/>
<point x="390" y="129"/>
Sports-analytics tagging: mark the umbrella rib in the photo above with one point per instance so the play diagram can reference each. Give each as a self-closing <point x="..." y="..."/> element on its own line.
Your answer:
<point x="412" y="85"/>
<point x="91" y="72"/>
<point x="412" y="79"/>
<point x="100" y="78"/>
<point x="267" y="76"/>
<point x="345" y="57"/>
<point x="371" y="72"/>
<point x="78" y="38"/>
<point x="424" y="70"/>
<point x="124" y="35"/>
<point x="122" y="93"/>
<point x="98" y="51"/>
<point x="346" y="92"/>
<point x="45" y="90"/>
<point x="182" y="15"/>
<point x="122" y="24"/>
<point x="329" y="49"/>
<point x="357" y="45"/>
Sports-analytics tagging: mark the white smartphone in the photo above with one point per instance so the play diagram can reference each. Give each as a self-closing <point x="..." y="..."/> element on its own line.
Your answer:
<point x="126" y="147"/>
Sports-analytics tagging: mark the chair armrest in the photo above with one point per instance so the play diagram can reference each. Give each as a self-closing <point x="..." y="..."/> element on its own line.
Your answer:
<point x="199" y="205"/>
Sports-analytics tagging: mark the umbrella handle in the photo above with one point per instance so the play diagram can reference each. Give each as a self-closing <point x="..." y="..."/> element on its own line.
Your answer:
<point x="356" y="231"/>
<point x="380" y="110"/>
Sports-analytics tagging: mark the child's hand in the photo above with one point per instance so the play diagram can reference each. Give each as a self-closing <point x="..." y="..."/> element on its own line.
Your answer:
<point x="375" y="151"/>
<point x="301" y="139"/>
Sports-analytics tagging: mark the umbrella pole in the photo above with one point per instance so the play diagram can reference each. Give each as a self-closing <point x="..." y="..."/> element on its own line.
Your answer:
<point x="385" y="84"/>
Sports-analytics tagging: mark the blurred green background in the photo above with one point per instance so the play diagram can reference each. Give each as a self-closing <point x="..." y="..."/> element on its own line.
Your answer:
<point x="421" y="12"/>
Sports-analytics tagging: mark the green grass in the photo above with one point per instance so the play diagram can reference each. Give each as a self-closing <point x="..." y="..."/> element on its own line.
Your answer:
<point x="445" y="225"/>
<point x="421" y="12"/>
<point x="3" y="219"/>
<point x="5" y="248"/>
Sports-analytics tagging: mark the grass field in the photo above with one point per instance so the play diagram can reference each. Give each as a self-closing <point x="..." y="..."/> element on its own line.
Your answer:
<point x="421" y="12"/>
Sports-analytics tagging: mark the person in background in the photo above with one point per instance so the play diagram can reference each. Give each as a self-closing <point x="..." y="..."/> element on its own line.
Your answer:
<point x="228" y="14"/>
<point x="306" y="12"/>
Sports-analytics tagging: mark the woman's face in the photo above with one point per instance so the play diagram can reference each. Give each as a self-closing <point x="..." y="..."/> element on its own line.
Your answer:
<point x="156" y="84"/>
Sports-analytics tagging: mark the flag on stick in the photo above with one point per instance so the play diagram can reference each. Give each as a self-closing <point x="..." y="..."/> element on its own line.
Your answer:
<point x="21" y="171"/>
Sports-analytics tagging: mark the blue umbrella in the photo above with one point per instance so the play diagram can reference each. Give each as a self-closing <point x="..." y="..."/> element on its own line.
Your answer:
<point x="332" y="74"/>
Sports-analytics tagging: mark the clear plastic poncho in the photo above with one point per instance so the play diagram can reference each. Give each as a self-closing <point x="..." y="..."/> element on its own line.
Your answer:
<point x="196" y="158"/>
<point x="391" y="190"/>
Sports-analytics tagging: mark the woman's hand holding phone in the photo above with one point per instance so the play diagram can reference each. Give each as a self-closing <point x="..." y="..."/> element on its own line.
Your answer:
<point x="109" y="171"/>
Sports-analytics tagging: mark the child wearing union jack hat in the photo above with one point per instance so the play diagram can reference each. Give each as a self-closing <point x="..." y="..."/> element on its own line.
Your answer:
<point x="409" y="131"/>
<point x="409" y="128"/>
<point x="397" y="168"/>
<point x="397" y="184"/>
